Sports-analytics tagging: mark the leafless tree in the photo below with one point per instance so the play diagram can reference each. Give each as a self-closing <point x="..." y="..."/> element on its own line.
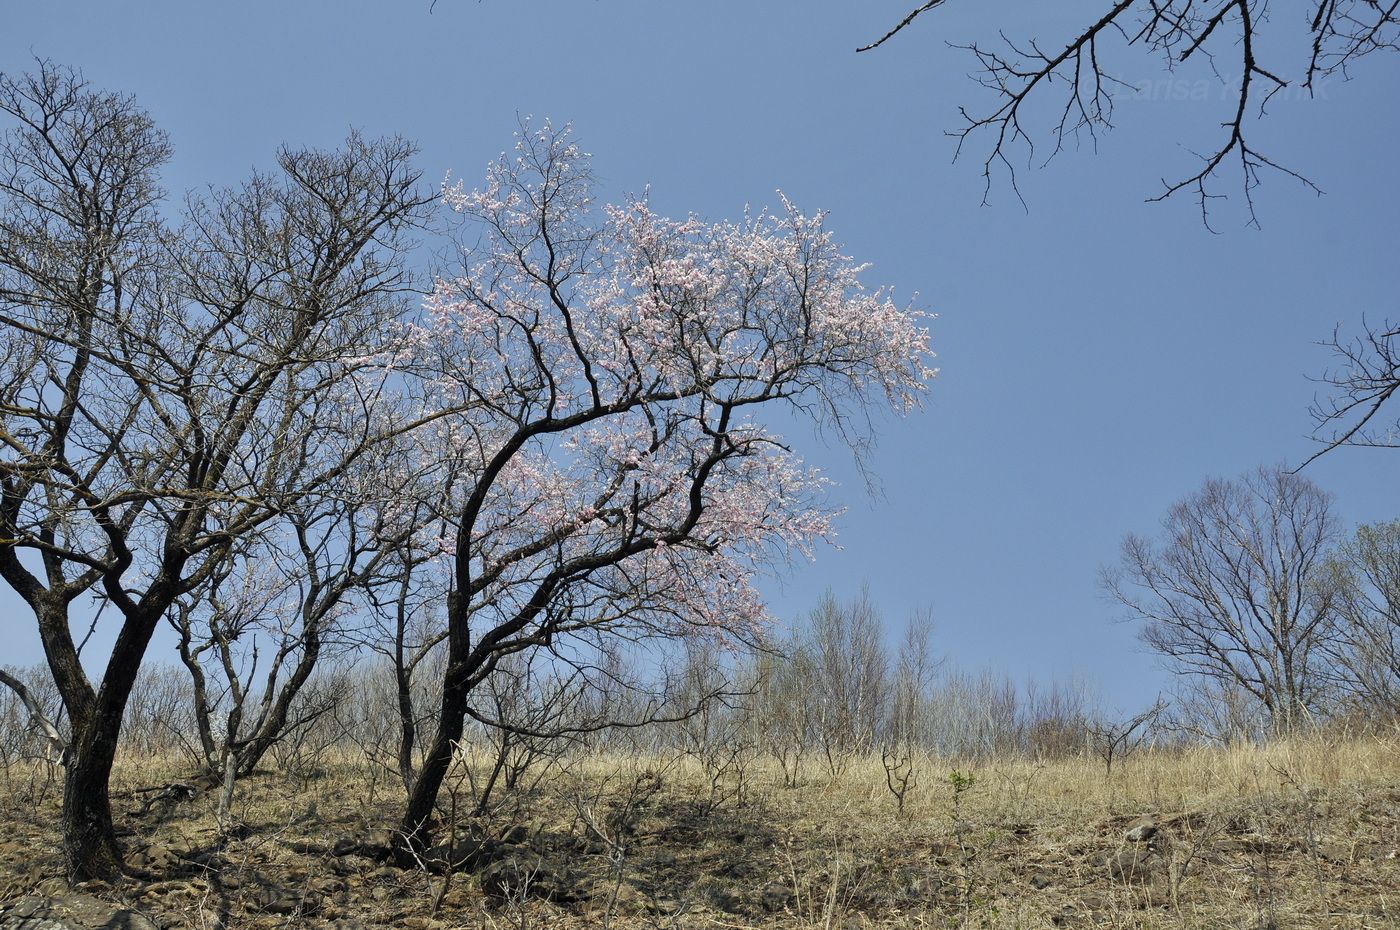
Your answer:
<point x="39" y="717"/>
<point x="1366" y="650"/>
<point x="1233" y="589"/>
<point x="1113" y="740"/>
<point x="533" y="706"/>
<point x="409" y="615"/>
<point x="850" y="675"/>
<point x="252" y="634"/>
<point x="159" y="720"/>
<point x="1366" y="377"/>
<point x="1074" y="79"/>
<point x="164" y="392"/>
<point x="915" y="669"/>
<point x="784" y="717"/>
<point x="1219" y="712"/>
<point x="977" y="715"/>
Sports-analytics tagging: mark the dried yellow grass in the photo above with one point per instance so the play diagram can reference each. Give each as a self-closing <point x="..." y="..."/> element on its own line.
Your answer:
<point x="1301" y="833"/>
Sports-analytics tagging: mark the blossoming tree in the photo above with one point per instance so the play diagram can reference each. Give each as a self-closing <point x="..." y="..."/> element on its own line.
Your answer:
<point x="610" y="377"/>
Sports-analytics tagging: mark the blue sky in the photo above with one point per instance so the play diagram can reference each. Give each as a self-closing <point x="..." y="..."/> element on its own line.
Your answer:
<point x="1100" y="356"/>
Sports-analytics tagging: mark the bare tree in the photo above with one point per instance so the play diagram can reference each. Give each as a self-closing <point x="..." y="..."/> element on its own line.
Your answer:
<point x="784" y="716"/>
<point x="1232" y="590"/>
<point x="164" y="392"/>
<point x="408" y="615"/>
<point x="1073" y="77"/>
<point x="1366" y="650"/>
<point x="39" y="716"/>
<point x="1366" y="377"/>
<point x="850" y="675"/>
<point x="532" y="706"/>
<point x="1114" y="739"/>
<point x="915" y="668"/>
<point x="261" y="621"/>
<point x="976" y="715"/>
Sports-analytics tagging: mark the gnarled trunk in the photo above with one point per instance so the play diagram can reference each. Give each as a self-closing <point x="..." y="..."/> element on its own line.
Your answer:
<point x="90" y="848"/>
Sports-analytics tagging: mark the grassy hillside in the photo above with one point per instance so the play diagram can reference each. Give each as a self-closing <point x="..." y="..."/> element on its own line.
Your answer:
<point x="1302" y="834"/>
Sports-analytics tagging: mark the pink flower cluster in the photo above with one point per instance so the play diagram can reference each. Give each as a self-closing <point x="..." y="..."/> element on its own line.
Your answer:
<point x="602" y="376"/>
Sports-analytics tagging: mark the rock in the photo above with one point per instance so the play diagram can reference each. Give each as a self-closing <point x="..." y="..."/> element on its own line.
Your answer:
<point x="1040" y="881"/>
<point x="273" y="900"/>
<point x="1142" y="831"/>
<point x="352" y="865"/>
<point x="1239" y="824"/>
<point x="515" y="877"/>
<point x="381" y="848"/>
<point x="345" y="846"/>
<point x="55" y="886"/>
<point x="326" y="885"/>
<point x="469" y="855"/>
<point x="774" y="897"/>
<point x="70" y="912"/>
<point x="623" y="899"/>
<point x="723" y="899"/>
<point x="154" y="856"/>
<point x="516" y="835"/>
<point x="508" y="879"/>
<point x="665" y="907"/>
<point x="1132" y="864"/>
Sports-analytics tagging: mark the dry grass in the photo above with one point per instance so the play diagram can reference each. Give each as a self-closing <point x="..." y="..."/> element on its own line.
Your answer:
<point x="1301" y="834"/>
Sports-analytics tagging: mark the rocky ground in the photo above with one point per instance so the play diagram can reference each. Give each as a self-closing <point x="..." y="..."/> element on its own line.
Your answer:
<point x="1248" y="839"/>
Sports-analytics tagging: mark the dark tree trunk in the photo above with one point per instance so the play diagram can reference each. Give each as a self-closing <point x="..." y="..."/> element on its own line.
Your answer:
<point x="90" y="848"/>
<point x="408" y="729"/>
<point x="415" y="833"/>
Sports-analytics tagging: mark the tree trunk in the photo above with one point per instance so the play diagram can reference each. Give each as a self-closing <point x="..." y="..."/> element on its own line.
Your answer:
<point x="272" y="721"/>
<point x="90" y="848"/>
<point x="408" y="730"/>
<point x="415" y="833"/>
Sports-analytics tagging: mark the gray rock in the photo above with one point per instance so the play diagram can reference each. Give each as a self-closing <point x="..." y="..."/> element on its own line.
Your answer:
<point x="724" y="899"/>
<point x="774" y="897"/>
<point x="326" y="885"/>
<point x="273" y="900"/>
<point x="517" y="877"/>
<point x="1132" y="864"/>
<point x="70" y="912"/>
<point x="346" y="846"/>
<point x="1040" y="881"/>
<point x="465" y="855"/>
<point x="1142" y="831"/>
<point x="155" y="857"/>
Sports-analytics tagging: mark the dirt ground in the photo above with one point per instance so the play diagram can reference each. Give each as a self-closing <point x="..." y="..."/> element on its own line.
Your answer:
<point x="1301" y="835"/>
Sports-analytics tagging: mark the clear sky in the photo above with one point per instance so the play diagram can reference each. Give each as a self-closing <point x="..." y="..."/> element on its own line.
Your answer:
<point x="1100" y="356"/>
